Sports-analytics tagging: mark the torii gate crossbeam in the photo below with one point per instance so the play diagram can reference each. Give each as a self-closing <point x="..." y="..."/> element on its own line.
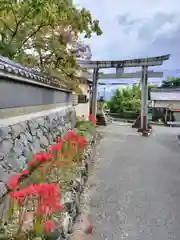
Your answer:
<point x="144" y="63"/>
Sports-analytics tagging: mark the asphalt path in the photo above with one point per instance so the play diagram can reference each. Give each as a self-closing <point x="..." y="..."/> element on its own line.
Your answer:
<point x="136" y="185"/>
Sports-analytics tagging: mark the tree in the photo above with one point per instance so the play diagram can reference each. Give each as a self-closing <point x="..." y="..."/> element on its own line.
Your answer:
<point x="41" y="34"/>
<point x="125" y="99"/>
<point x="171" y="82"/>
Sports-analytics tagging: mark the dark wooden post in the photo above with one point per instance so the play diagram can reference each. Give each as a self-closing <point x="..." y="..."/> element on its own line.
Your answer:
<point x="142" y="99"/>
<point x="144" y="102"/>
<point x="94" y="92"/>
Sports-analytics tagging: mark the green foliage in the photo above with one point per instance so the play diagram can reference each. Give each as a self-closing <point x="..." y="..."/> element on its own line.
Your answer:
<point x="85" y="127"/>
<point x="126" y="102"/>
<point x="36" y="33"/>
<point x="171" y="82"/>
<point x="126" y="99"/>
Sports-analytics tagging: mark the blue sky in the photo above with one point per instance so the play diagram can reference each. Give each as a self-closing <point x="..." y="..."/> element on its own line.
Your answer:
<point x="133" y="29"/>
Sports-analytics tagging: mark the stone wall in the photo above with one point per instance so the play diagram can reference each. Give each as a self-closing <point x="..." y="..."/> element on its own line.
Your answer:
<point x="22" y="136"/>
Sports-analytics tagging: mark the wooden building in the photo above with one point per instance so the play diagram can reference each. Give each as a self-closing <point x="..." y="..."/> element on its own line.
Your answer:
<point x="165" y="104"/>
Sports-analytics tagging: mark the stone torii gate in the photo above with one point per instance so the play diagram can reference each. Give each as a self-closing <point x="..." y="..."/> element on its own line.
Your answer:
<point x="144" y="63"/>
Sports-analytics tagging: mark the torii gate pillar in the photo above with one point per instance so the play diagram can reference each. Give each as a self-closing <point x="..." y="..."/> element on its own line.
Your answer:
<point x="144" y="102"/>
<point x="93" y="108"/>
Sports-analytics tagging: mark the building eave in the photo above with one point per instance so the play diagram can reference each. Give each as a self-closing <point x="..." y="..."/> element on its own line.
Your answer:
<point x="165" y="89"/>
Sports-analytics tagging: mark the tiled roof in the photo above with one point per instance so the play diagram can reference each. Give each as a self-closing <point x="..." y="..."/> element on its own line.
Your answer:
<point x="9" y="67"/>
<point x="165" y="90"/>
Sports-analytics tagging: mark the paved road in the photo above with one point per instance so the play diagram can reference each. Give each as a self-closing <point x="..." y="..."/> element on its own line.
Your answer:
<point x="137" y="185"/>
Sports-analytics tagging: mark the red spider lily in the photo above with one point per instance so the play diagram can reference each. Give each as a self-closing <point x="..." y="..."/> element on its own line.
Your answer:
<point x="25" y="172"/>
<point x="92" y="119"/>
<point x="49" y="226"/>
<point x="43" y="157"/>
<point x="56" y="147"/>
<point x="82" y="142"/>
<point x="44" y="208"/>
<point x="60" y="140"/>
<point x="14" y="181"/>
<point x="49" y="195"/>
<point x="32" y="164"/>
<point x="71" y="135"/>
<point x="76" y="140"/>
<point x="19" y="196"/>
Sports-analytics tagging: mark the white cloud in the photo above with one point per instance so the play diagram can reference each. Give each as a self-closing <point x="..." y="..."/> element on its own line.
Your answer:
<point x="136" y="28"/>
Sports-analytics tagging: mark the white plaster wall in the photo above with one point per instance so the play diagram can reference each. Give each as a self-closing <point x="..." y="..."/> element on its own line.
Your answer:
<point x="169" y="104"/>
<point x="165" y="96"/>
<point x="82" y="109"/>
<point x="85" y="89"/>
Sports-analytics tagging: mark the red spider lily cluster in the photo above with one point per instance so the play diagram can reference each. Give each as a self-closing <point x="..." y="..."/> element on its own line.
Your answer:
<point x="48" y="195"/>
<point x="92" y="119"/>
<point x="49" y="226"/>
<point x="76" y="140"/>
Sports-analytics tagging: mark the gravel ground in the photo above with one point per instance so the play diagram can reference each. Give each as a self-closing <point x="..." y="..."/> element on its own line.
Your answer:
<point x="134" y="193"/>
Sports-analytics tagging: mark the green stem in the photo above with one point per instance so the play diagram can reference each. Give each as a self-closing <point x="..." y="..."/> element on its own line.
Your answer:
<point x="21" y="217"/>
<point x="38" y="226"/>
